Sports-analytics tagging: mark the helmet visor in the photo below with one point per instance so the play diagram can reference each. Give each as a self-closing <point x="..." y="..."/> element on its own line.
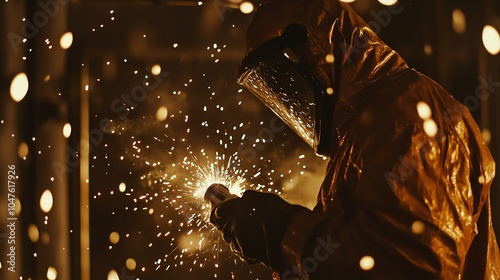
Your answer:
<point x="278" y="82"/>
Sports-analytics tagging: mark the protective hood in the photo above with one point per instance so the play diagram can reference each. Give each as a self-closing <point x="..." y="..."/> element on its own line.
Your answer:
<point x="274" y="73"/>
<point x="341" y="56"/>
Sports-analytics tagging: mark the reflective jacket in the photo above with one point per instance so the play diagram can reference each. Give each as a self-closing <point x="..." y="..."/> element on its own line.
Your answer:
<point x="406" y="192"/>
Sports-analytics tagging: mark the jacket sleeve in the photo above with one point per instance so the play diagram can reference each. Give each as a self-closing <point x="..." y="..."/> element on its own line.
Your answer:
<point x="412" y="218"/>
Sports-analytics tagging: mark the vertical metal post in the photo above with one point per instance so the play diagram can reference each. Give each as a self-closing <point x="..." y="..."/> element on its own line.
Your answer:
<point x="84" y="175"/>
<point x="48" y="73"/>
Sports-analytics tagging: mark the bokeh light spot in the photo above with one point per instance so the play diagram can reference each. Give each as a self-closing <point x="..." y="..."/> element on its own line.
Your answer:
<point x="388" y="2"/>
<point x="424" y="111"/>
<point x="51" y="273"/>
<point x="67" y="130"/>
<point x="22" y="150"/>
<point x="45" y="238"/>
<point x="417" y="227"/>
<point x="481" y="179"/>
<point x="113" y="275"/>
<point x="156" y="69"/>
<point x="33" y="233"/>
<point x="459" y="22"/>
<point x="491" y="39"/>
<point x="246" y="7"/>
<point x="330" y="58"/>
<point x="131" y="264"/>
<point x="366" y="263"/>
<point x="66" y="40"/>
<point x="430" y="127"/>
<point x="428" y="50"/>
<point x="18" y="206"/>
<point x="114" y="237"/>
<point x="46" y="201"/>
<point x="486" y="135"/>
<point x="122" y="187"/>
<point x="19" y="87"/>
<point x="162" y="113"/>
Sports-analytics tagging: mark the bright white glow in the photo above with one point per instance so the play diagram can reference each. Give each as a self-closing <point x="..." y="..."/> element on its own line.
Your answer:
<point x="162" y="113"/>
<point x="430" y="127"/>
<point x="67" y="130"/>
<point x="366" y="263"/>
<point x="388" y="2"/>
<point x="156" y="69"/>
<point x="424" y="111"/>
<point x="46" y="201"/>
<point x="19" y="87"/>
<point x="113" y="275"/>
<point x="66" y="40"/>
<point x="417" y="227"/>
<point x="459" y="22"/>
<point x="347" y="1"/>
<point x="122" y="187"/>
<point x="246" y="7"/>
<point x="491" y="39"/>
<point x="51" y="273"/>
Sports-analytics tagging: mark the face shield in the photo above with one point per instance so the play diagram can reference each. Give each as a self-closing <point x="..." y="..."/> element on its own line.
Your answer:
<point x="274" y="73"/>
<point x="277" y="83"/>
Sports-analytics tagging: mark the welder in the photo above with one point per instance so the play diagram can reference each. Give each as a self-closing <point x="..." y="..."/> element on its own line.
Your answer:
<point x="406" y="193"/>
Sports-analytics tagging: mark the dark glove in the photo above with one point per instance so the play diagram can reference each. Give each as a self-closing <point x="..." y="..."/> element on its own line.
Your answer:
<point x="254" y="225"/>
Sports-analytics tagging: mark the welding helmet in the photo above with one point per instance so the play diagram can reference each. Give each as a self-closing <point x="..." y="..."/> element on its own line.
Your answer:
<point x="275" y="73"/>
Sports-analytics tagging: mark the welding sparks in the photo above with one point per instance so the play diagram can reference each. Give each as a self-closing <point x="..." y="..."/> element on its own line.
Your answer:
<point x="173" y="155"/>
<point x="211" y="173"/>
<point x="179" y="188"/>
<point x="151" y="145"/>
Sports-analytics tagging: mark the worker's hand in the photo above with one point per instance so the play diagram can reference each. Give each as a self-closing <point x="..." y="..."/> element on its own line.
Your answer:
<point x="254" y="225"/>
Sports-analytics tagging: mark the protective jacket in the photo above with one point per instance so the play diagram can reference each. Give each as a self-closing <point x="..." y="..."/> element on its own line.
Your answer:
<point x="406" y="192"/>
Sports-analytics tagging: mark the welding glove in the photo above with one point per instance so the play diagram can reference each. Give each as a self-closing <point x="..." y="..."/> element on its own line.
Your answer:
<point x="254" y="225"/>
